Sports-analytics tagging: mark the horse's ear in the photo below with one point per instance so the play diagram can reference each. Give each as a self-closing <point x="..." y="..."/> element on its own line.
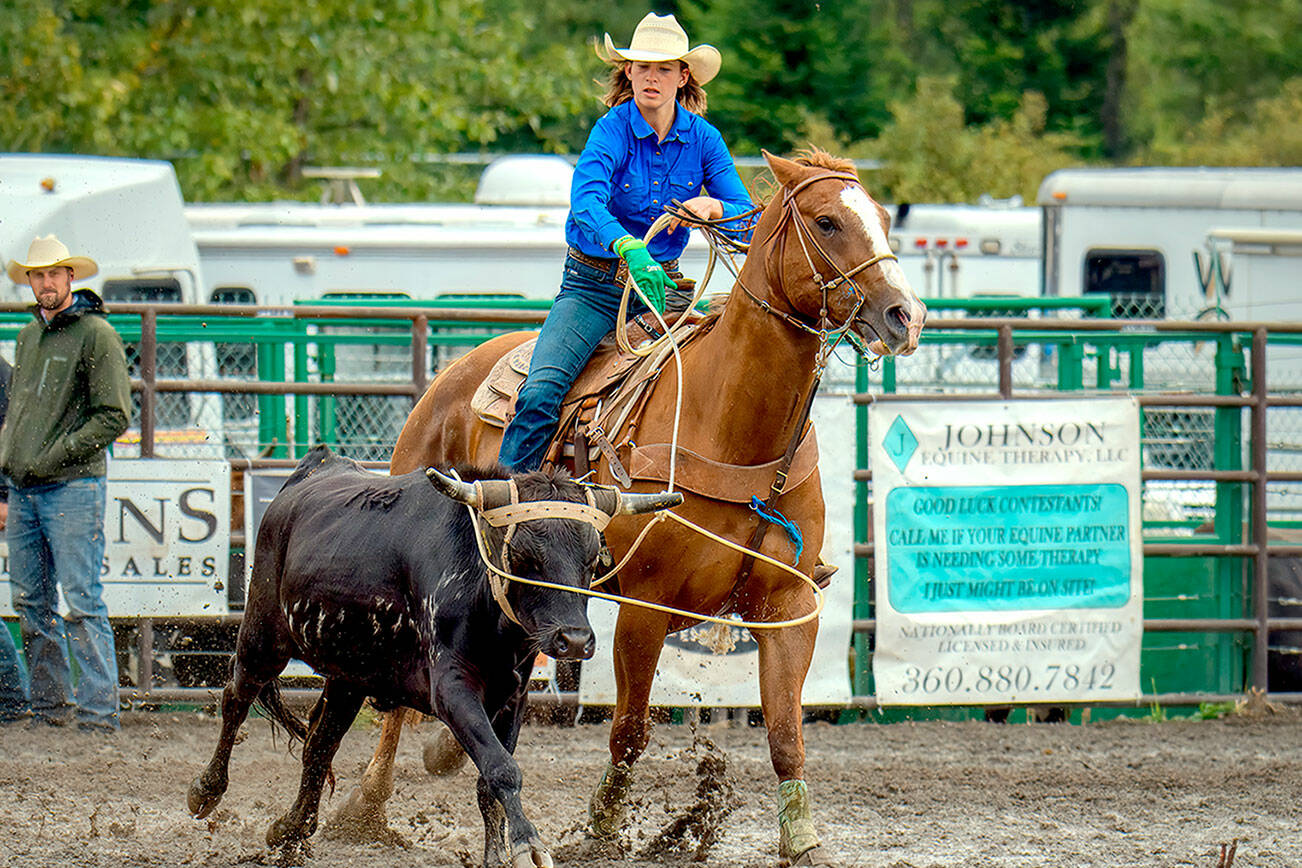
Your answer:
<point x="787" y="172"/>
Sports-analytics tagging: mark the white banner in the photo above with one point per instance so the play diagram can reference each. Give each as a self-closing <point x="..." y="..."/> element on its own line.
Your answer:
<point x="691" y="674"/>
<point x="167" y="539"/>
<point x="1009" y="554"/>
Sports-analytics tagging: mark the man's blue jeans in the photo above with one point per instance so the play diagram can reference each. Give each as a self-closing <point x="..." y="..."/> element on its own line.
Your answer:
<point x="13" y="686"/>
<point x="583" y="313"/>
<point x="56" y="541"/>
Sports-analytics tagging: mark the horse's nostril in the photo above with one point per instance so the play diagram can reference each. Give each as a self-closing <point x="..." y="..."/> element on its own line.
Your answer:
<point x="897" y="319"/>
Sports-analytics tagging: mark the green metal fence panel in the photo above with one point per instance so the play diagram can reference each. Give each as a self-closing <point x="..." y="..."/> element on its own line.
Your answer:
<point x="277" y="348"/>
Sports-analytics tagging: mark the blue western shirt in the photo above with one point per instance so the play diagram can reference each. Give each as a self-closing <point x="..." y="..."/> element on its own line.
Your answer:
<point x="625" y="178"/>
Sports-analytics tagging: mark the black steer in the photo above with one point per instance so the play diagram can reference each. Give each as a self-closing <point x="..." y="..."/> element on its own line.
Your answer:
<point x="378" y="584"/>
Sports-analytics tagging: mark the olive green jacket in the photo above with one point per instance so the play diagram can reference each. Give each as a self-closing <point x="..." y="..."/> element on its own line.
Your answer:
<point x="69" y="396"/>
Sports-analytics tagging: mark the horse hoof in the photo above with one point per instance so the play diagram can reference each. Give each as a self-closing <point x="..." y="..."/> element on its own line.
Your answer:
<point x="530" y="854"/>
<point x="443" y="754"/>
<point x="362" y="821"/>
<point x="605" y="822"/>
<point x="201" y="800"/>
<point x="815" y="857"/>
<point x="609" y="803"/>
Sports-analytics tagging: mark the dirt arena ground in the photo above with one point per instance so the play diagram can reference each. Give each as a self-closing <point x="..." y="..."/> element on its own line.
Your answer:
<point x="908" y="795"/>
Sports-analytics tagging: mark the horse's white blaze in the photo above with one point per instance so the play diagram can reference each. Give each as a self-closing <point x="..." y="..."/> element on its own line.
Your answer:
<point x="857" y="202"/>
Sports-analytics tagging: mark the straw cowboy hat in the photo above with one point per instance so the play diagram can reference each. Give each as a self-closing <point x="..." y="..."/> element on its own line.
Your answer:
<point x="661" y="37"/>
<point x="47" y="252"/>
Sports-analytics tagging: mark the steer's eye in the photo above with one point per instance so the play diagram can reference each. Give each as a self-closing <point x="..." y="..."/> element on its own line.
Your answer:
<point x="827" y="224"/>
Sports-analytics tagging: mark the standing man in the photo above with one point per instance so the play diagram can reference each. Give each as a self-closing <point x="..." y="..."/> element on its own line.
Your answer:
<point x="68" y="400"/>
<point x="13" y="689"/>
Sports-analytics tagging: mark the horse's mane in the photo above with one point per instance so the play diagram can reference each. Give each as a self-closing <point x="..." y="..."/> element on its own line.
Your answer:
<point x="811" y="156"/>
<point x="815" y="156"/>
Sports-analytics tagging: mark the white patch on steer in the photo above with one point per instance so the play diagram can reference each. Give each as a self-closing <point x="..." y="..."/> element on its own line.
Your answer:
<point x="858" y="203"/>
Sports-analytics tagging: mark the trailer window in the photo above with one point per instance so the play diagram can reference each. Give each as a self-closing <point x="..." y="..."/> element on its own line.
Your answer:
<point x="1135" y="280"/>
<point x="233" y="295"/>
<point x="162" y="290"/>
<point x="171" y="408"/>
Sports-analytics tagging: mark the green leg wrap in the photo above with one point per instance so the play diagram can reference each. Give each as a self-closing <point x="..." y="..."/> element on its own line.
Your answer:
<point x="795" y="823"/>
<point x="606" y="810"/>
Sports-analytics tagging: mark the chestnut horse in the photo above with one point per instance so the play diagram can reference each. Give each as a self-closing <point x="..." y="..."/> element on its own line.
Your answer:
<point x="819" y="263"/>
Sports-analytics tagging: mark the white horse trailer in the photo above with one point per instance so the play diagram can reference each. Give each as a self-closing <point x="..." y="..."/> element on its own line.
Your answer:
<point x="127" y="215"/>
<point x="1130" y="234"/>
<point x="964" y="251"/>
<point x="511" y="241"/>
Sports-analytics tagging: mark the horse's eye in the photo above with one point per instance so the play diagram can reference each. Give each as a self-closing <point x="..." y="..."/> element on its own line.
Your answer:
<point x="827" y="224"/>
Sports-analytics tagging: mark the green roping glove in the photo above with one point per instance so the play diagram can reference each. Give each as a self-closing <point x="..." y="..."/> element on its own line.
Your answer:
<point x="646" y="272"/>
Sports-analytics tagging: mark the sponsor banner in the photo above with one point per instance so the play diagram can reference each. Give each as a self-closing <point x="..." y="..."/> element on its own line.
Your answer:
<point x="1009" y="559"/>
<point x="691" y="674"/>
<point x="167" y="539"/>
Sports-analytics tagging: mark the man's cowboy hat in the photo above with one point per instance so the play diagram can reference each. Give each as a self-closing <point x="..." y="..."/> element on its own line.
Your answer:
<point x="47" y="252"/>
<point x="661" y="37"/>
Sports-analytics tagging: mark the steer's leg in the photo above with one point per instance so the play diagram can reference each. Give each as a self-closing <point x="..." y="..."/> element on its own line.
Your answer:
<point x="460" y="705"/>
<point x="784" y="657"/>
<point x="243" y="687"/>
<point x="362" y="817"/>
<point x="338" y="706"/>
<point x="639" y="637"/>
<point x="506" y="725"/>
<point x="262" y="649"/>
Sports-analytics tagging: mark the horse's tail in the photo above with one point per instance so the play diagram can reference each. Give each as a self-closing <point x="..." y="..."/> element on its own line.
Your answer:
<point x="271" y="705"/>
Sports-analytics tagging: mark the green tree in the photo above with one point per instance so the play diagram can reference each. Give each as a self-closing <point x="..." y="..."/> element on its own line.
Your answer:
<point x="1201" y="59"/>
<point x="48" y="96"/>
<point x="242" y="96"/>
<point x="930" y="154"/>
<point x="1235" y="135"/>
<point x="1000" y="50"/>
<point x="789" y="61"/>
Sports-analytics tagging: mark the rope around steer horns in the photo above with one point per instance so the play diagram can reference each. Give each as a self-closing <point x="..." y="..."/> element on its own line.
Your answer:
<point x="516" y="512"/>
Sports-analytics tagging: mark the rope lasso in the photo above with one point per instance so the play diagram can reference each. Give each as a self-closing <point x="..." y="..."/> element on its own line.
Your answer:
<point x="717" y="237"/>
<point x="819" y="599"/>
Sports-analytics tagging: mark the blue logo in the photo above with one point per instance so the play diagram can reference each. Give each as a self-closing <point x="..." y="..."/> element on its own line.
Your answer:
<point x="900" y="444"/>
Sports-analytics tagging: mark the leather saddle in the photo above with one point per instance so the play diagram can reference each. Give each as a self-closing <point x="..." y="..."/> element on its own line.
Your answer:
<point x="608" y="398"/>
<point x="602" y="397"/>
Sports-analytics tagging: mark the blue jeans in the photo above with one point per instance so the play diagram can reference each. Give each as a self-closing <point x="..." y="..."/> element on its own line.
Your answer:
<point x="13" y="686"/>
<point x="56" y="542"/>
<point x="584" y="312"/>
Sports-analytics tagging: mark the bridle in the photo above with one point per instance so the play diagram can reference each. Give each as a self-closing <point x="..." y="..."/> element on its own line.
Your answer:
<point x="828" y="333"/>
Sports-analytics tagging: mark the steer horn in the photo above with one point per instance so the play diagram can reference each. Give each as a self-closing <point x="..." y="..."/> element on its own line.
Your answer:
<point x="636" y="504"/>
<point x="457" y="489"/>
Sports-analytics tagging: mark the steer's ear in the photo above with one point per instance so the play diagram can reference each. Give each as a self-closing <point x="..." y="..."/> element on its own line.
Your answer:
<point x="457" y="489"/>
<point x="636" y="504"/>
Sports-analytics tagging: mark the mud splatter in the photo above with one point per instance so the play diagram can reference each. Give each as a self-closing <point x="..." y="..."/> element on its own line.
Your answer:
<point x="696" y="829"/>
